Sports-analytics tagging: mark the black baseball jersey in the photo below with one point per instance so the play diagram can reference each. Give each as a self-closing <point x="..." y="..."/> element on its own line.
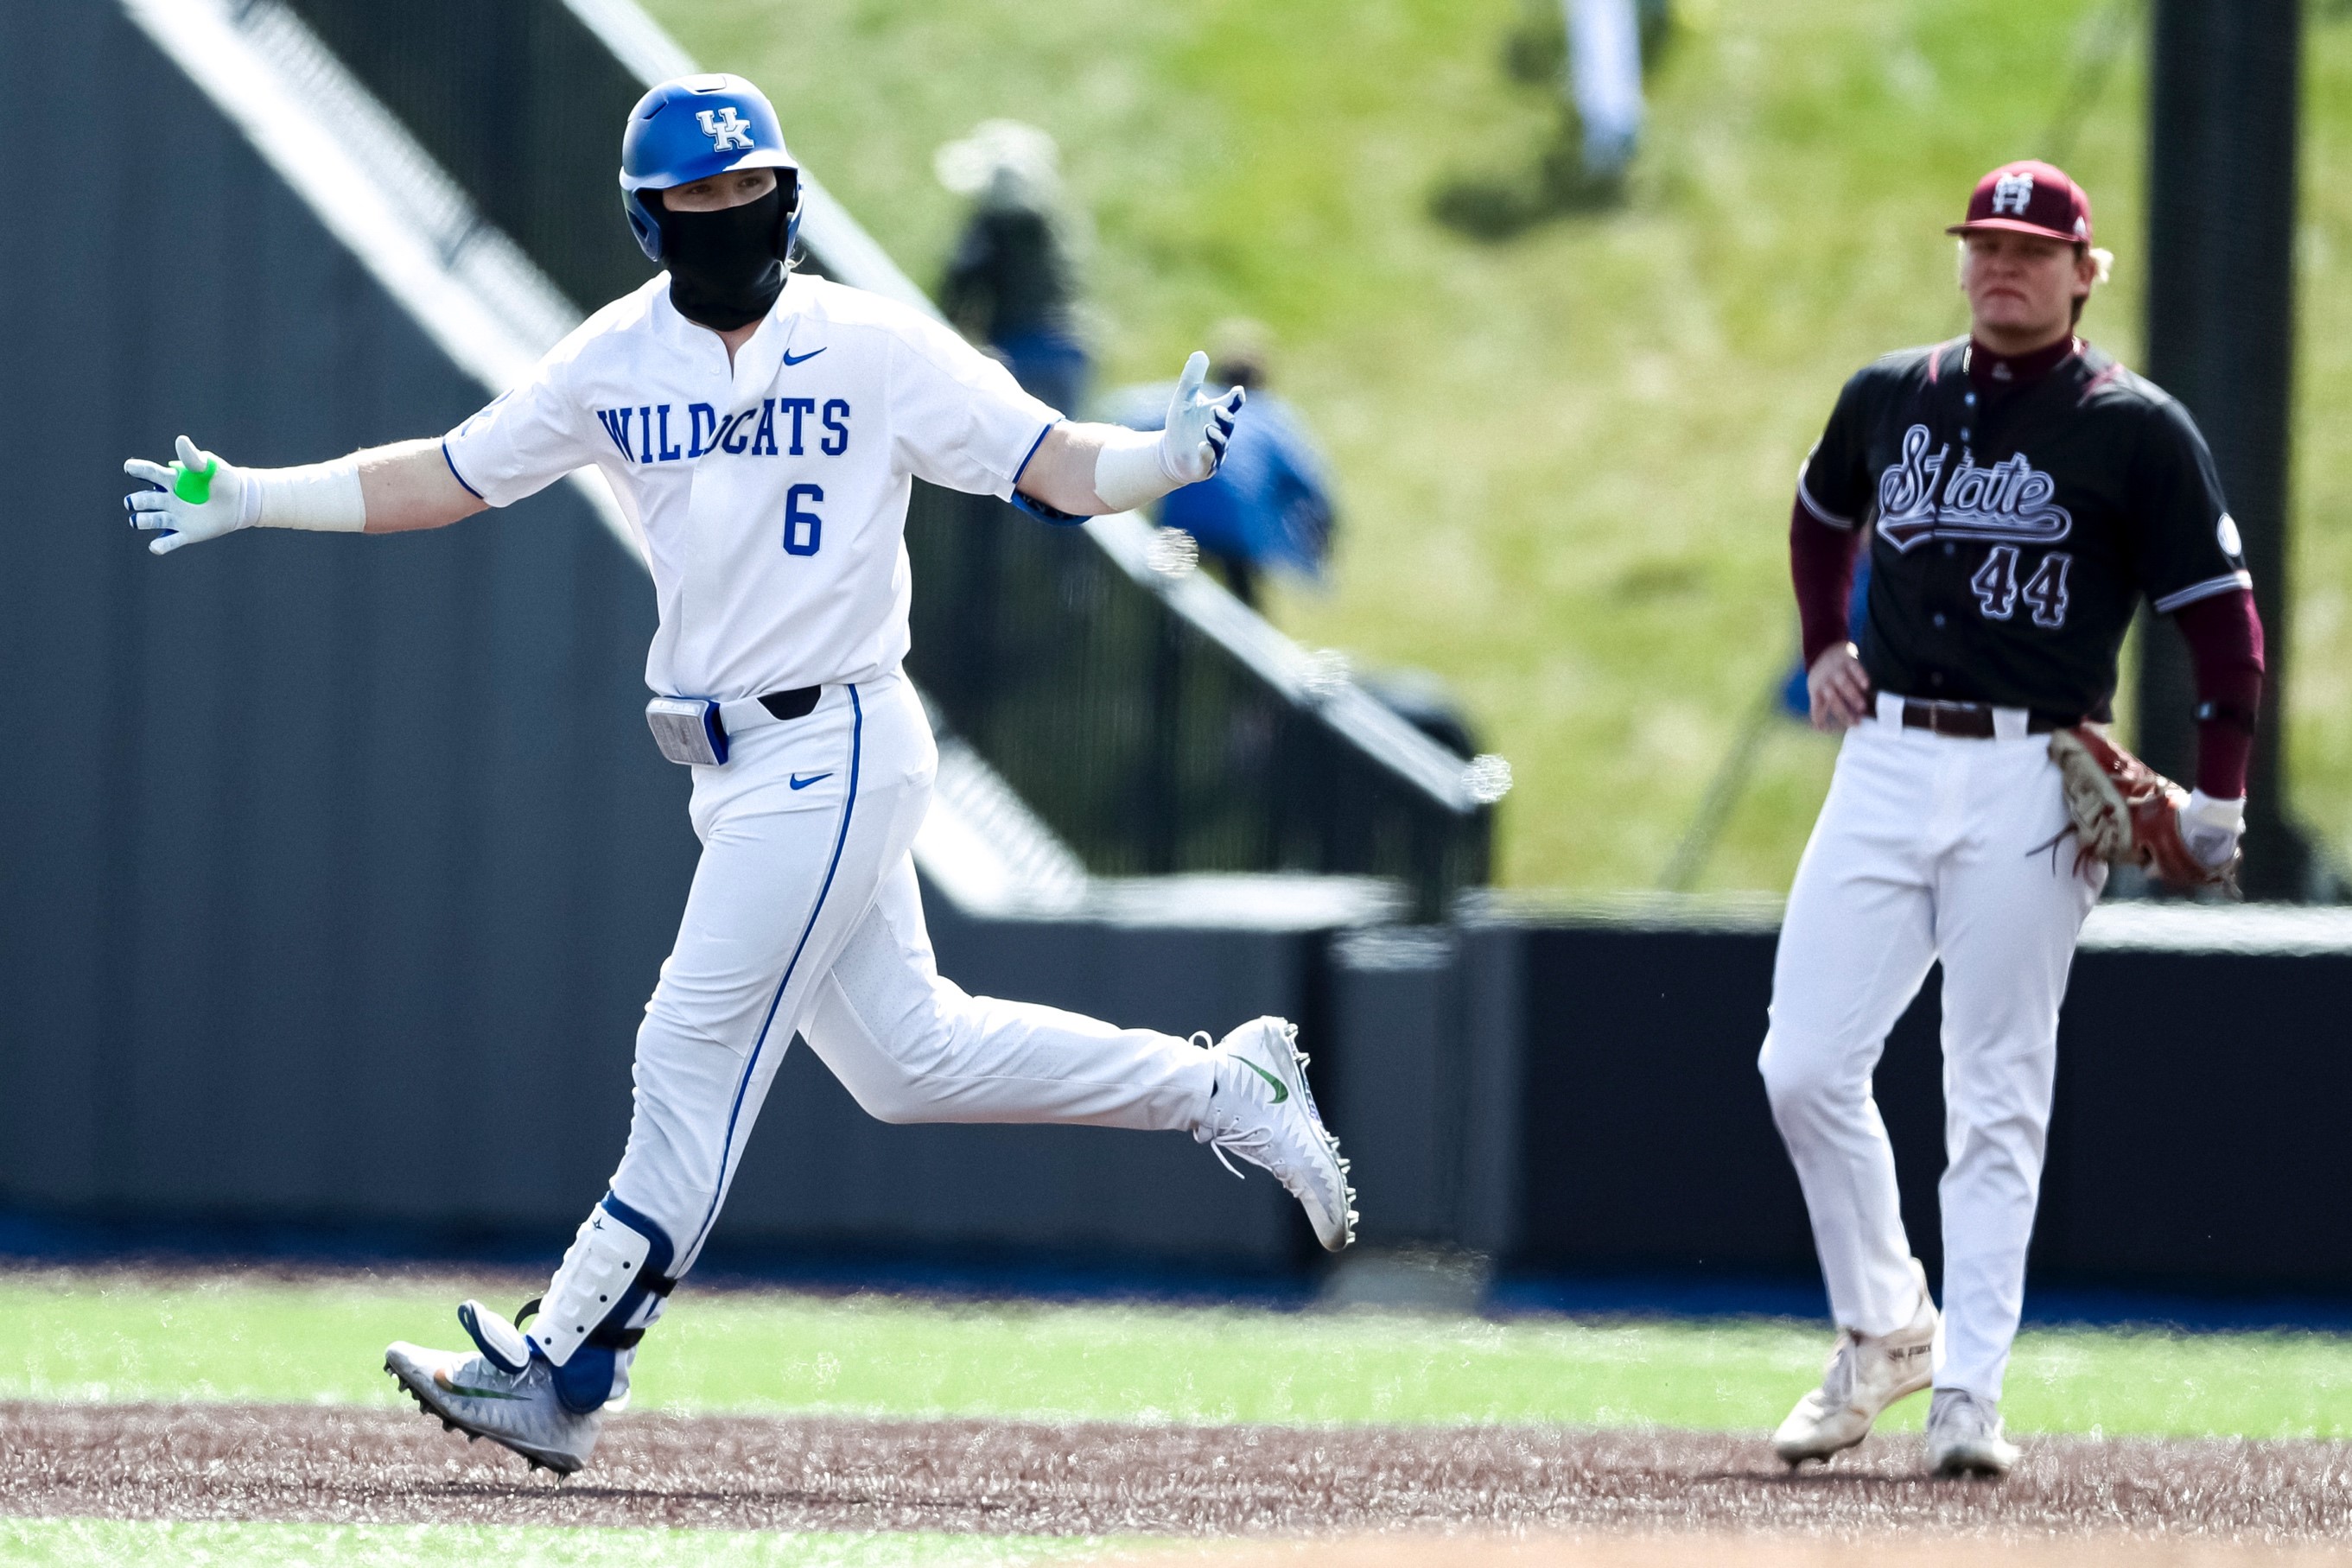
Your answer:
<point x="2013" y="529"/>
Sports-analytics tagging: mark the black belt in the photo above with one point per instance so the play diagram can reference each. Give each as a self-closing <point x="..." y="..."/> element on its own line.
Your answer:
<point x="1970" y="721"/>
<point x="798" y="703"/>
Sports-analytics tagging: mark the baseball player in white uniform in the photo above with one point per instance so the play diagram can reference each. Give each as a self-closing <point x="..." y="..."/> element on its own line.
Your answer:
<point x="761" y="430"/>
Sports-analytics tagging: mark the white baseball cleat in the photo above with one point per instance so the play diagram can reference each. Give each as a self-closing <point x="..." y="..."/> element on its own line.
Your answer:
<point x="1964" y="1438"/>
<point x="1865" y="1375"/>
<point x="472" y="1395"/>
<point x="1263" y="1111"/>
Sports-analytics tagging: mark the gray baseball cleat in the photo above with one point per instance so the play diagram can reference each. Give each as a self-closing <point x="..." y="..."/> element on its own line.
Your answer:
<point x="473" y="1394"/>
<point x="1261" y="1110"/>
<point x="1964" y="1438"/>
<point x="1865" y="1375"/>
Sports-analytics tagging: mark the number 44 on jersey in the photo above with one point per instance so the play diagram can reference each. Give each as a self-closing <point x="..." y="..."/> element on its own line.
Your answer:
<point x="1997" y="590"/>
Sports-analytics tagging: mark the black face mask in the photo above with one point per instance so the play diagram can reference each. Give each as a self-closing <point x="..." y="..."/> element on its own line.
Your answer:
<point x="726" y="267"/>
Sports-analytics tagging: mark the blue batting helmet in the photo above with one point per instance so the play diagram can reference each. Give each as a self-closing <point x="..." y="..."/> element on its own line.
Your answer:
<point x="690" y="128"/>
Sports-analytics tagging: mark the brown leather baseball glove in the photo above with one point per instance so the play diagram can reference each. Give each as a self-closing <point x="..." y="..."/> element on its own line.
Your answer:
<point x="2126" y="813"/>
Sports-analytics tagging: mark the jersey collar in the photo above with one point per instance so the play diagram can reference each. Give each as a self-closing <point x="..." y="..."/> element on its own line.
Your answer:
<point x="757" y="361"/>
<point x="761" y="357"/>
<point x="1992" y="372"/>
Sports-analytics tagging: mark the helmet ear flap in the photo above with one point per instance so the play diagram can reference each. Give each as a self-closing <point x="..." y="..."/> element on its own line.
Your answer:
<point x="792" y="217"/>
<point x="643" y="224"/>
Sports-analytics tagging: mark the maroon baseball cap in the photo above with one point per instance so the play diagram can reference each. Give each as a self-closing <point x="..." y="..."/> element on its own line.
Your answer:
<point x="2029" y="198"/>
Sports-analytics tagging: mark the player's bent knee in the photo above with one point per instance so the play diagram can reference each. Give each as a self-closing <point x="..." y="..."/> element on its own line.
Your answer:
<point x="897" y="1111"/>
<point x="896" y="1098"/>
<point x="1800" y="1072"/>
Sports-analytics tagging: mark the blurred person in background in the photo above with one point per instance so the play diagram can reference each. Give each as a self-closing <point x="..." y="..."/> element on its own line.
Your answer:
<point x="1604" y="81"/>
<point x="1011" y="283"/>
<point x="1269" y="507"/>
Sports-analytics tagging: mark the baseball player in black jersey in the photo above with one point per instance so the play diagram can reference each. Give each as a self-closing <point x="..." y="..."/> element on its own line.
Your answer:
<point x="2020" y="491"/>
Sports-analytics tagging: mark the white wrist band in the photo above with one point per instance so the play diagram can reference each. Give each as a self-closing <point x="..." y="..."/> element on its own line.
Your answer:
<point x="321" y="496"/>
<point x="1130" y="469"/>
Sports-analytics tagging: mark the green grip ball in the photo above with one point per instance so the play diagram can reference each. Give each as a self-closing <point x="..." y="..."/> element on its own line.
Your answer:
<point x="194" y="487"/>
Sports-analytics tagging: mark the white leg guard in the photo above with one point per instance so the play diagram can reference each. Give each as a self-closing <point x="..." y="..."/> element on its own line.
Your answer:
<point x="596" y="1272"/>
<point x="608" y="1290"/>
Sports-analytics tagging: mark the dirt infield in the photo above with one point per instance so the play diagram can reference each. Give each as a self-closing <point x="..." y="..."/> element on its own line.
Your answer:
<point x="347" y="1465"/>
<point x="1541" y="1550"/>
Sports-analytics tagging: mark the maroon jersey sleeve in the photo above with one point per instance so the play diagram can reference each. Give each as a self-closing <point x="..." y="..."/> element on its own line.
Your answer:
<point x="2225" y="646"/>
<point x="1820" y="566"/>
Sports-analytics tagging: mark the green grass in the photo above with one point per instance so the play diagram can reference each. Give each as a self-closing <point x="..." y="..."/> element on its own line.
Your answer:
<point x="104" y="1542"/>
<point x="73" y="1338"/>
<point x="1565" y="458"/>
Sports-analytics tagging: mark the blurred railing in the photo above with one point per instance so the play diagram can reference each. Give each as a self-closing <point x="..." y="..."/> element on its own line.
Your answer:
<point x="1148" y="717"/>
<point x="522" y="105"/>
<point x="1157" y="723"/>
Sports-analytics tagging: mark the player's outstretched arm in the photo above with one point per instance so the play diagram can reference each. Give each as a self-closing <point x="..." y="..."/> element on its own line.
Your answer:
<point x="1086" y="470"/>
<point x="387" y="489"/>
<point x="410" y="486"/>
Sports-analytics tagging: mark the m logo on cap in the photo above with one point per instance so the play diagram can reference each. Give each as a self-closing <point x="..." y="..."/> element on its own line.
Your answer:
<point x="2010" y="193"/>
<point x="727" y="133"/>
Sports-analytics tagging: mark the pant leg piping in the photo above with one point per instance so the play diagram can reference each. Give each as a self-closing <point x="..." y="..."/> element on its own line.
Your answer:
<point x="751" y="1065"/>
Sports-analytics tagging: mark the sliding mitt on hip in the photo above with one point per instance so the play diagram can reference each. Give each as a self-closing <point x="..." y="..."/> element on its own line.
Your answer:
<point x="2126" y="813"/>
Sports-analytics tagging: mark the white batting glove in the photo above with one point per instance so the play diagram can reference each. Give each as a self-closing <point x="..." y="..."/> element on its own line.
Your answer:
<point x="202" y="497"/>
<point x="1133" y="468"/>
<point x="2211" y="827"/>
<point x="198" y="497"/>
<point x="1199" y="426"/>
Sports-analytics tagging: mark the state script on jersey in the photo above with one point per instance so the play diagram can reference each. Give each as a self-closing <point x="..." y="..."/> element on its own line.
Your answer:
<point x="770" y="499"/>
<point x="2013" y="530"/>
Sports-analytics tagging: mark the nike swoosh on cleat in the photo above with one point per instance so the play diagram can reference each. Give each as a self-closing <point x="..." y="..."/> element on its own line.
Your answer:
<point x="1281" y="1090"/>
<point x="459" y="1389"/>
<point x="799" y="783"/>
<point x="801" y="360"/>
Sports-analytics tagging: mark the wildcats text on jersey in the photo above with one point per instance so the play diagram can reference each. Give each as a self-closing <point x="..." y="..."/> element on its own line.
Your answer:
<point x="2010" y="500"/>
<point x="643" y="433"/>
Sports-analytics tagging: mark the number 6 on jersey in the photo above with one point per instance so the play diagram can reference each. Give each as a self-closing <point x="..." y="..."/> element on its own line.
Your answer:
<point x="804" y="530"/>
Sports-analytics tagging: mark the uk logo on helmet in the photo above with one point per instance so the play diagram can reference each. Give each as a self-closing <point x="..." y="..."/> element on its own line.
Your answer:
<point x="2010" y="193"/>
<point x="727" y="133"/>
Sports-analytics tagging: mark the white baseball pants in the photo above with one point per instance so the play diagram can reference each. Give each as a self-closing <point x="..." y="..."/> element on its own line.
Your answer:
<point x="805" y="918"/>
<point x="1928" y="847"/>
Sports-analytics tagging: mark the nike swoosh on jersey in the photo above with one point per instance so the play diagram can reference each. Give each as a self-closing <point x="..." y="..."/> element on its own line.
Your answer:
<point x="803" y="783"/>
<point x="803" y="359"/>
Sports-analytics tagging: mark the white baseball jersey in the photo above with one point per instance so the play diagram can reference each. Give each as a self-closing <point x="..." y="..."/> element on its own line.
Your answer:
<point x="770" y="499"/>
